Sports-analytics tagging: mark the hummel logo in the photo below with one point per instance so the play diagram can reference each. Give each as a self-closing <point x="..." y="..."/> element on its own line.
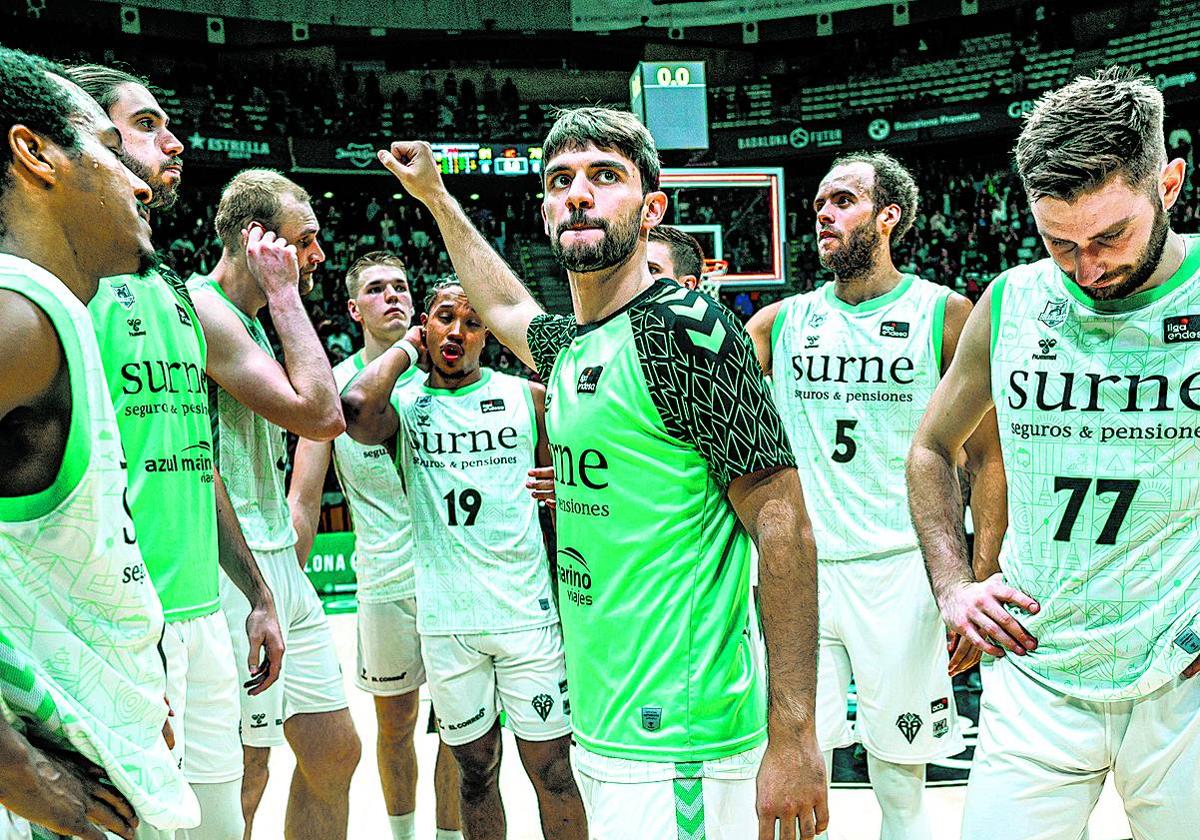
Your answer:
<point x="135" y="326"/>
<point x="1047" y="344"/>
<point x="811" y="341"/>
<point x="184" y="317"/>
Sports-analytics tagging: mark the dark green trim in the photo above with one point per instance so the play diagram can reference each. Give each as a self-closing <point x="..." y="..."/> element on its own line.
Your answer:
<point x="780" y="318"/>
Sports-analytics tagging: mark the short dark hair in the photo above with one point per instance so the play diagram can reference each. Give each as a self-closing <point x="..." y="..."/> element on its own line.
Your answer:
<point x="1078" y="137"/>
<point x="254" y="195"/>
<point x="605" y="128"/>
<point x="368" y="260"/>
<point x="894" y="184"/>
<point x="439" y="285"/>
<point x="686" y="252"/>
<point x="101" y="82"/>
<point x="30" y="97"/>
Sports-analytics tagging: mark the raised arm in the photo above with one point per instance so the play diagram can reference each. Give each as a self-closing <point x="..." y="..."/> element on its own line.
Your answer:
<point x="367" y="401"/>
<point x="760" y="326"/>
<point x="962" y="399"/>
<point x="501" y="299"/>
<point x="298" y="395"/>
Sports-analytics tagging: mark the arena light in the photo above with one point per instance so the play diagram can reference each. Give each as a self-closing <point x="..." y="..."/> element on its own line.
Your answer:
<point x="397" y="196"/>
<point x="214" y="28"/>
<point x="131" y="20"/>
<point x="474" y="196"/>
<point x="328" y="195"/>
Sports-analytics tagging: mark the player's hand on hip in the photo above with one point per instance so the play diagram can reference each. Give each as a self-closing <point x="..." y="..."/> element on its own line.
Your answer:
<point x="963" y="655"/>
<point x="977" y="611"/>
<point x="541" y="484"/>
<point x="264" y="634"/>
<point x="413" y="164"/>
<point x="66" y="794"/>
<point x="792" y="789"/>
<point x="271" y="260"/>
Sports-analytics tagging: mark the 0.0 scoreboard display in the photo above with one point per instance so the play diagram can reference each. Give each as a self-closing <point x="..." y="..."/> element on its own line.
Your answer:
<point x="671" y="99"/>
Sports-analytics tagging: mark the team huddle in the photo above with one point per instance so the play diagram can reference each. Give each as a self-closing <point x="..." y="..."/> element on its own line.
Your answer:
<point x="616" y="555"/>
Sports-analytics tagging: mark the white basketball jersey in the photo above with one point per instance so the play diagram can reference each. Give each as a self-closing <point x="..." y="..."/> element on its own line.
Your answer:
<point x="480" y="562"/>
<point x="251" y="450"/>
<point x="851" y="383"/>
<point x="80" y="620"/>
<point x="376" y="494"/>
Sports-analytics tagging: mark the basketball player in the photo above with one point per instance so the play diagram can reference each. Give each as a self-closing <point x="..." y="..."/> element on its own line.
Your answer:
<point x="269" y="234"/>
<point x="669" y="457"/>
<point x="676" y="255"/>
<point x="153" y="350"/>
<point x="82" y="676"/>
<point x="853" y="366"/>
<point x="485" y="603"/>
<point x="389" y="648"/>
<point x="1090" y="359"/>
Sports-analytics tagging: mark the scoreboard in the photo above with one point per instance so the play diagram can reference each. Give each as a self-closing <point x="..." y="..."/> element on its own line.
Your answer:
<point x="671" y="99"/>
<point x="487" y="159"/>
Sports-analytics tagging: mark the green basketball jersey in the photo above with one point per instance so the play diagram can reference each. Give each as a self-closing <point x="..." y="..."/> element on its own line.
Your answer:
<point x="481" y="565"/>
<point x="1099" y="411"/>
<point x="78" y="612"/>
<point x="154" y="354"/>
<point x="383" y="543"/>
<point x="651" y="414"/>
<point x="251" y="451"/>
<point x="852" y="382"/>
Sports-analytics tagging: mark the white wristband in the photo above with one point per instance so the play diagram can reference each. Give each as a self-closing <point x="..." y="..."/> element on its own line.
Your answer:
<point x="407" y="346"/>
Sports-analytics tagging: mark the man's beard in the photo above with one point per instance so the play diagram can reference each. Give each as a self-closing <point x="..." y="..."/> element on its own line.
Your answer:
<point x="164" y="196"/>
<point x="1141" y="270"/>
<point x="614" y="248"/>
<point x="148" y="260"/>
<point x="856" y="257"/>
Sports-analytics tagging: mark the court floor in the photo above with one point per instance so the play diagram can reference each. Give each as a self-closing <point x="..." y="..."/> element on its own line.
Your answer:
<point x="854" y="813"/>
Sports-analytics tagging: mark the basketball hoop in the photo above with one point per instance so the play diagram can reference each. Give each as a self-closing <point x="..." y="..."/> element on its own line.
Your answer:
<point x="715" y="268"/>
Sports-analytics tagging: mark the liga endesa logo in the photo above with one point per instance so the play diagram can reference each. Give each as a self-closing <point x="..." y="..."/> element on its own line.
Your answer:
<point x="1181" y="329"/>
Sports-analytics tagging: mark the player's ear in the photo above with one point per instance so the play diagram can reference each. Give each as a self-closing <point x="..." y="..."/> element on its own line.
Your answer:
<point x="889" y="217"/>
<point x="545" y="219"/>
<point x="424" y="318"/>
<point x="355" y="315"/>
<point x="1172" y="182"/>
<point x="654" y="209"/>
<point x="31" y="155"/>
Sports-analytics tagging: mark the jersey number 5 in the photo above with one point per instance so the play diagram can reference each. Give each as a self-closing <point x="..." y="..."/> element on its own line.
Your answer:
<point x="469" y="502"/>
<point x="1124" y="488"/>
<point x="847" y="448"/>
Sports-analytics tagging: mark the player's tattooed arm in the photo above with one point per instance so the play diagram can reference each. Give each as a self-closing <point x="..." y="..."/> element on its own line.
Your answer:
<point x="760" y="326"/>
<point x="61" y="792"/>
<point x="309" y="467"/>
<point x="262" y="624"/>
<point x="499" y="297"/>
<point x="371" y="418"/>
<point x="972" y="609"/>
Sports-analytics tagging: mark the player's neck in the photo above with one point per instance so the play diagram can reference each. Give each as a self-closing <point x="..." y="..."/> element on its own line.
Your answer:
<point x="24" y="240"/>
<point x="1174" y="252"/>
<point x="875" y="283"/>
<point x="442" y="382"/>
<point x="597" y="294"/>
<point x="374" y="346"/>
<point x="239" y="285"/>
